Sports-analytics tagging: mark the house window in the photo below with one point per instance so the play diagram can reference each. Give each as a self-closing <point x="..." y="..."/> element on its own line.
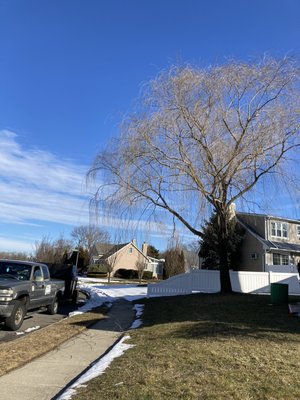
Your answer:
<point x="279" y="229"/>
<point x="280" y="259"/>
<point x="298" y="230"/>
<point x="253" y="256"/>
<point x="130" y="250"/>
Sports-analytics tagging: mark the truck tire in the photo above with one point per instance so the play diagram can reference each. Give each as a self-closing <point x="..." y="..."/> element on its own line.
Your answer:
<point x="53" y="307"/>
<point x="15" y="321"/>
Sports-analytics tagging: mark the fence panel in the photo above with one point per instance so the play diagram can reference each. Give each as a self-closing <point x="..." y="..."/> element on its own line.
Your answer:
<point x="250" y="282"/>
<point x="178" y="284"/>
<point x="208" y="281"/>
<point x="290" y="279"/>
<point x="195" y="281"/>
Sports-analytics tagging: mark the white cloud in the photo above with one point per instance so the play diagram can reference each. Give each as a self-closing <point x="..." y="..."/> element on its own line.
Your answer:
<point x="39" y="189"/>
<point x="38" y="186"/>
<point x="14" y="245"/>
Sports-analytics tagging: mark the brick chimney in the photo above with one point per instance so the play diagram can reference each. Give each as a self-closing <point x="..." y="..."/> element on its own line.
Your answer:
<point x="144" y="248"/>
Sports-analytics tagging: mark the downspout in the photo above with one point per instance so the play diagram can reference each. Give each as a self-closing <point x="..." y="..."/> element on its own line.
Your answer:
<point x="264" y="259"/>
<point x="267" y="238"/>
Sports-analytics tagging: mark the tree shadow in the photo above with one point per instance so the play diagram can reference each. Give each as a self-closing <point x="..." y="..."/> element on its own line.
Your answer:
<point x="222" y="316"/>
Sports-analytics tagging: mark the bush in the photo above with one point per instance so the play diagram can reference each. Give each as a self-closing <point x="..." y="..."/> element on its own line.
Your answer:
<point x="98" y="268"/>
<point x="96" y="275"/>
<point x="126" y="273"/>
<point x="147" y="275"/>
<point x="132" y="274"/>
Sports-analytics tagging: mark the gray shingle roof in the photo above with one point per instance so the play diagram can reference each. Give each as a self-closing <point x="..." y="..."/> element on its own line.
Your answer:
<point x="286" y="246"/>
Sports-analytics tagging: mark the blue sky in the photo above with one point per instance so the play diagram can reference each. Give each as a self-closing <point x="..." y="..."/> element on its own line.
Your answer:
<point x="70" y="69"/>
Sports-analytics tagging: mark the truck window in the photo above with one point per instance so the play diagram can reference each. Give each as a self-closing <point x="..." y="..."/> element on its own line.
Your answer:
<point x="17" y="270"/>
<point x="45" y="272"/>
<point x="37" y="273"/>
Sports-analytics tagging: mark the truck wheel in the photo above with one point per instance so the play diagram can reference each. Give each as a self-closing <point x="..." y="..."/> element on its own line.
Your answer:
<point x="15" y="321"/>
<point x="53" y="307"/>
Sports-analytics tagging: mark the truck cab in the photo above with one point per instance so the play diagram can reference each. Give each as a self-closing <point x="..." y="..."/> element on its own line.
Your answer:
<point x="25" y="286"/>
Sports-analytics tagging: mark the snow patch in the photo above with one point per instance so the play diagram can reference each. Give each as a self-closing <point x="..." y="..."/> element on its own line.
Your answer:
<point x="34" y="328"/>
<point x="139" y="308"/>
<point x="100" y="294"/>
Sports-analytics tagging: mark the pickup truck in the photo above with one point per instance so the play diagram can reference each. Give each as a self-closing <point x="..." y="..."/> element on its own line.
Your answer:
<point x="25" y="286"/>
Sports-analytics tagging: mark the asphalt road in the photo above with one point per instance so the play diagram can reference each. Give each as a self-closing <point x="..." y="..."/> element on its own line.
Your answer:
<point x="40" y="319"/>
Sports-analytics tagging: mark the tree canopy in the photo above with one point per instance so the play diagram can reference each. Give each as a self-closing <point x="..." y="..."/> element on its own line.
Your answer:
<point x="203" y="138"/>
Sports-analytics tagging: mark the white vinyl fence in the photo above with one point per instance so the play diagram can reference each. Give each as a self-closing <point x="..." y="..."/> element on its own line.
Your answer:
<point x="207" y="281"/>
<point x="292" y="269"/>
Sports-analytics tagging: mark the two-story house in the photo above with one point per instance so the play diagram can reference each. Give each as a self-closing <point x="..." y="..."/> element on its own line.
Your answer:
<point x="270" y="243"/>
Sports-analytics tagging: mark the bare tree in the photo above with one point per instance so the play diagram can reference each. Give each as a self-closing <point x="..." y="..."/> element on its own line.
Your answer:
<point x="111" y="261"/>
<point x="111" y="255"/>
<point x="202" y="139"/>
<point x="51" y="251"/>
<point x="43" y="250"/>
<point x="141" y="265"/>
<point x="191" y="254"/>
<point x="14" y="255"/>
<point x="87" y="236"/>
<point x="174" y="261"/>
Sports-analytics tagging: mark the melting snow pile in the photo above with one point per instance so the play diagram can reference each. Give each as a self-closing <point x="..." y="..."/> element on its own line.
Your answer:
<point x="100" y="294"/>
<point x="139" y="308"/>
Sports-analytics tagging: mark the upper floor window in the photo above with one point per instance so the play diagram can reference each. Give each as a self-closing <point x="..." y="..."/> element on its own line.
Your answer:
<point x="298" y="230"/>
<point x="130" y="250"/>
<point x="279" y="229"/>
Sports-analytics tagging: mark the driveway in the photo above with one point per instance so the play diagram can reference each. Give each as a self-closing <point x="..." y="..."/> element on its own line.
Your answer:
<point x="39" y="319"/>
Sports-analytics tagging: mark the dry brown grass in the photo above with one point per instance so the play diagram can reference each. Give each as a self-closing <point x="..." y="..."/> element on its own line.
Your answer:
<point x="16" y="353"/>
<point x="210" y="347"/>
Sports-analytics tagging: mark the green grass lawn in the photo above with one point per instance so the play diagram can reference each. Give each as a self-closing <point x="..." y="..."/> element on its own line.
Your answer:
<point x="206" y="347"/>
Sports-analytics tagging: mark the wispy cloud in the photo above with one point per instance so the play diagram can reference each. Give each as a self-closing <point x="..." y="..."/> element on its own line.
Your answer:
<point x="39" y="189"/>
<point x="38" y="186"/>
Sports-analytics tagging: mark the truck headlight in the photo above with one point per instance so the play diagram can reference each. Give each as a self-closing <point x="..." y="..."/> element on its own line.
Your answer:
<point x="6" y="292"/>
<point x="6" y="298"/>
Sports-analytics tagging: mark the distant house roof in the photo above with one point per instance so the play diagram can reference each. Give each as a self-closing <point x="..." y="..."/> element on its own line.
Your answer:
<point x="114" y="248"/>
<point x="103" y="248"/>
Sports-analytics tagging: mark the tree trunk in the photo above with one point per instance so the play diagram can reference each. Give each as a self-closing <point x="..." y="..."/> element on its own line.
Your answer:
<point x="223" y="250"/>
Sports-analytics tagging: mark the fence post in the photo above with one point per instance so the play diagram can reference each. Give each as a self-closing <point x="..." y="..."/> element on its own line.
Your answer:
<point x="191" y="283"/>
<point x="270" y="280"/>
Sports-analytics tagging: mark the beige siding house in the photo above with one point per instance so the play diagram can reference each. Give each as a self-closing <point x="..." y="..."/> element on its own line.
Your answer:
<point x="126" y="256"/>
<point x="270" y="243"/>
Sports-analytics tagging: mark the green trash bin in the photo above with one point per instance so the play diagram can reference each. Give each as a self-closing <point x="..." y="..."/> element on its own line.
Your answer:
<point x="279" y="293"/>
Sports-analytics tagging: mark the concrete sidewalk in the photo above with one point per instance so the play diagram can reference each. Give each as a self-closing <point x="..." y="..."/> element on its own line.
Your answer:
<point x="48" y="375"/>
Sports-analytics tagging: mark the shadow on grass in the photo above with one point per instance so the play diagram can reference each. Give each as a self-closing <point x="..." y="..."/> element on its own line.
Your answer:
<point x="222" y="316"/>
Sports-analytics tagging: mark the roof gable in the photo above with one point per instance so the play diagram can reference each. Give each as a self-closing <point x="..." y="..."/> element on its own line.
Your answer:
<point x="110" y="250"/>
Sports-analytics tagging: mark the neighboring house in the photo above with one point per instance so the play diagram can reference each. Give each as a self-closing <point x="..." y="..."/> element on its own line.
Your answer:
<point x="126" y="256"/>
<point x="270" y="243"/>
